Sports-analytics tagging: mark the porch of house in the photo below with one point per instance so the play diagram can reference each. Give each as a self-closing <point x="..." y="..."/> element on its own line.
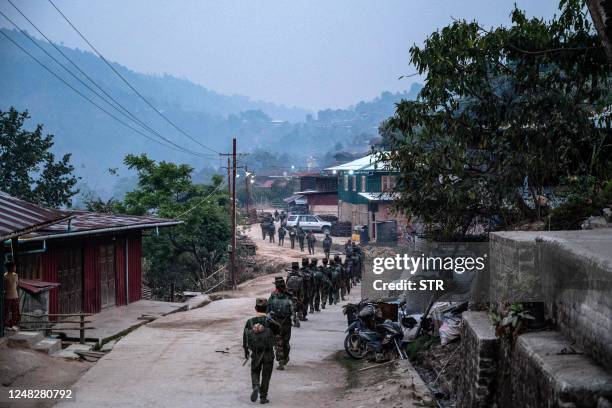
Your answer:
<point x="117" y="321"/>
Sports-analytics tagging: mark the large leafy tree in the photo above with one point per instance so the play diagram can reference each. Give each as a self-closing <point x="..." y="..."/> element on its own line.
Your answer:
<point x="28" y="169"/>
<point x="185" y="256"/>
<point x="507" y="115"/>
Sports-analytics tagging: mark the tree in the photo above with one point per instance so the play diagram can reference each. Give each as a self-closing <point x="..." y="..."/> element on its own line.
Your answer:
<point x="506" y="117"/>
<point x="186" y="255"/>
<point x="28" y="169"/>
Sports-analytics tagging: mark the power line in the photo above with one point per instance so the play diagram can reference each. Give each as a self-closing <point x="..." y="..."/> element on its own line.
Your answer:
<point x="129" y="115"/>
<point x="201" y="201"/>
<point x="128" y="83"/>
<point x="86" y="97"/>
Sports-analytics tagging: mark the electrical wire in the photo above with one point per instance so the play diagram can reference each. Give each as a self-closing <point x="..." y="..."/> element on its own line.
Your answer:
<point x="128" y="115"/>
<point x="127" y="82"/>
<point x="87" y="98"/>
<point x="201" y="201"/>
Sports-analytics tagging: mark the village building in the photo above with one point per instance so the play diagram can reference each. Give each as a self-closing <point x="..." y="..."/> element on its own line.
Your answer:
<point x="318" y="194"/>
<point x="95" y="258"/>
<point x="365" y="196"/>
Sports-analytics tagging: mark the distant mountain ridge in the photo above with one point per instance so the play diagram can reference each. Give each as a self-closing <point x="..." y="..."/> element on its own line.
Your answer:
<point x="97" y="142"/>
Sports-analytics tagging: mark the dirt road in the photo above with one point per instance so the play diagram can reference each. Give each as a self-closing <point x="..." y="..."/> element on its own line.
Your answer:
<point x="194" y="359"/>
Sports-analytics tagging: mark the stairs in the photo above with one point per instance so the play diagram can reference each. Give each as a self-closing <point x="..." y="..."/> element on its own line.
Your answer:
<point x="47" y="345"/>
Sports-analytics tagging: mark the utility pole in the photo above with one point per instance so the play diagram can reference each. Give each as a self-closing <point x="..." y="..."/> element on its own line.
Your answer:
<point x="233" y="255"/>
<point x="247" y="179"/>
<point x="229" y="182"/>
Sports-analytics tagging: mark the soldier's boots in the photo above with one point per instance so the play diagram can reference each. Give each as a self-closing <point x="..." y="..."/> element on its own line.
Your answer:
<point x="255" y="394"/>
<point x="281" y="366"/>
<point x="322" y="305"/>
<point x="263" y="400"/>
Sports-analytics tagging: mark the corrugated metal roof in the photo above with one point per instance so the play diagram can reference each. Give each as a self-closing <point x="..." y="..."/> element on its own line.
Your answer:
<point x="86" y="222"/>
<point x="369" y="163"/>
<point x="18" y="217"/>
<point x="379" y="196"/>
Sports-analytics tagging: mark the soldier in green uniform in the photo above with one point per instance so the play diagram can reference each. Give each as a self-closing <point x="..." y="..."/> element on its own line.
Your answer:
<point x="292" y="236"/>
<point x="280" y="306"/>
<point x="271" y="231"/>
<point x="327" y="244"/>
<point x="300" y="236"/>
<point x="281" y="235"/>
<point x="336" y="281"/>
<point x="295" y="284"/>
<point x="326" y="285"/>
<point x="258" y="343"/>
<point x="317" y="278"/>
<point x="308" y="278"/>
<point x="345" y="284"/>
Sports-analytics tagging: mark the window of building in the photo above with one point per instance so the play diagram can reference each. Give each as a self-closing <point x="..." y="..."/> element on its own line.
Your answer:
<point x="388" y="183"/>
<point x="345" y="182"/>
<point x="354" y="183"/>
<point x="363" y="184"/>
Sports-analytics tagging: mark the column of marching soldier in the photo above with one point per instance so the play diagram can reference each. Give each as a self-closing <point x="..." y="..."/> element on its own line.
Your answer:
<point x="306" y="289"/>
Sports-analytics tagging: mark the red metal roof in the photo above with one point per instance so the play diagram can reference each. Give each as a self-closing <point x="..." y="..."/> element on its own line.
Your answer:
<point x="18" y="217"/>
<point x="86" y="222"/>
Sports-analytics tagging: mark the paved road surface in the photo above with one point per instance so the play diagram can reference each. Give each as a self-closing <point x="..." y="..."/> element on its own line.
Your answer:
<point x="172" y="362"/>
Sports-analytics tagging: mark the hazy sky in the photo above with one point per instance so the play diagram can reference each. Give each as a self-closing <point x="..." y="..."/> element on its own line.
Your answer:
<point x="309" y="53"/>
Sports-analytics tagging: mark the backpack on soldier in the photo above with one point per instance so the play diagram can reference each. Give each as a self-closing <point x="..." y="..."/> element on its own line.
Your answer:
<point x="335" y="275"/>
<point x="259" y="337"/>
<point x="294" y="283"/>
<point x="281" y="306"/>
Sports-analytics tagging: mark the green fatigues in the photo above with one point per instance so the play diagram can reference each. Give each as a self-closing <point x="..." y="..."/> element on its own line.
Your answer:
<point x="292" y="238"/>
<point x="317" y="278"/>
<point x="281" y="236"/>
<point x="262" y="361"/>
<point x="311" y="243"/>
<point x="282" y="339"/>
<point x="300" y="236"/>
<point x="327" y="243"/>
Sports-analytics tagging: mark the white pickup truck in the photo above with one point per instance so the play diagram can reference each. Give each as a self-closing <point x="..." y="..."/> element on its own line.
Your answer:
<point x="309" y="222"/>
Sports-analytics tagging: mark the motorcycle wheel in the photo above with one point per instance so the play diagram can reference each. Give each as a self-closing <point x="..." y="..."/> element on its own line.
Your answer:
<point x="354" y="346"/>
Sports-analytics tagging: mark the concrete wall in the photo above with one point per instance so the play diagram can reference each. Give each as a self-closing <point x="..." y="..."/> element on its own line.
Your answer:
<point x="478" y="361"/>
<point x="534" y="370"/>
<point x="570" y="271"/>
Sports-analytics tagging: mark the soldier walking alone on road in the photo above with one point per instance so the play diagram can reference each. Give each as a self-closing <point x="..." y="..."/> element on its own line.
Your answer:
<point x="281" y="236"/>
<point x="272" y="231"/>
<point x="300" y="236"/>
<point x="327" y="244"/>
<point x="311" y="242"/>
<point x="280" y="305"/>
<point x="258" y="344"/>
<point x="292" y="236"/>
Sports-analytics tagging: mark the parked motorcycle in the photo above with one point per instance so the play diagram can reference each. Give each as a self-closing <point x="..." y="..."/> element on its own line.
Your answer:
<point x="385" y="343"/>
<point x="360" y="317"/>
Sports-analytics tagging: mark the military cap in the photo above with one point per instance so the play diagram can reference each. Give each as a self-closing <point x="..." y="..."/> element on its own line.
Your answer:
<point x="304" y="261"/>
<point x="295" y="265"/>
<point x="279" y="281"/>
<point x="314" y="261"/>
<point x="336" y="257"/>
<point x="332" y="262"/>
<point x="261" y="302"/>
<point x="324" y="260"/>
